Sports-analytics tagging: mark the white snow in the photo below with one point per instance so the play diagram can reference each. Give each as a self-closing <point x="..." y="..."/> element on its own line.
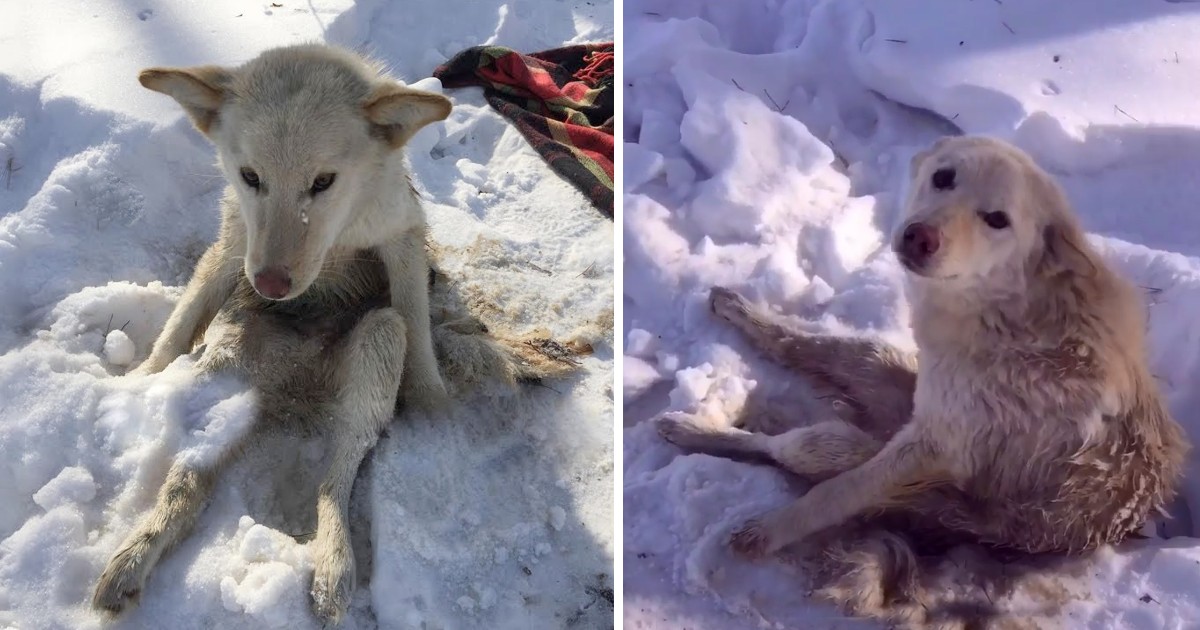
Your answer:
<point x="119" y="348"/>
<point x="767" y="142"/>
<point x="108" y="197"/>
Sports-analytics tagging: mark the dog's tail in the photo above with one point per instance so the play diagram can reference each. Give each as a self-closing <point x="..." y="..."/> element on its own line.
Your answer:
<point x="874" y="574"/>
<point x="490" y="357"/>
<point x="887" y="574"/>
<point x="471" y="356"/>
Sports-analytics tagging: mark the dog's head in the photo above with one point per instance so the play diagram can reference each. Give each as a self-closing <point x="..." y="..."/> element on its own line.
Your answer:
<point x="303" y="134"/>
<point x="981" y="212"/>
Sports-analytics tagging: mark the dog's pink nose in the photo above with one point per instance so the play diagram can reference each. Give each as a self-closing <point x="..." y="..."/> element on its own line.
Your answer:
<point x="919" y="242"/>
<point x="273" y="282"/>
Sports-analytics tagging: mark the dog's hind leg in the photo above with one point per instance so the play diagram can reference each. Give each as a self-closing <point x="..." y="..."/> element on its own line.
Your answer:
<point x="816" y="452"/>
<point x="180" y="500"/>
<point x="873" y="376"/>
<point x="368" y="365"/>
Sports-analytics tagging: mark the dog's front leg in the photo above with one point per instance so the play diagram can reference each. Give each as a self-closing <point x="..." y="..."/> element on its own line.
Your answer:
<point x="408" y="275"/>
<point x="369" y="364"/>
<point x="210" y="286"/>
<point x="906" y="464"/>
<point x="180" y="500"/>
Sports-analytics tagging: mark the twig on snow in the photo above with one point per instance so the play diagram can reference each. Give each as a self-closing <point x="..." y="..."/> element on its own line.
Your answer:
<point x="10" y="167"/>
<point x="1118" y="108"/>
<point x="778" y="107"/>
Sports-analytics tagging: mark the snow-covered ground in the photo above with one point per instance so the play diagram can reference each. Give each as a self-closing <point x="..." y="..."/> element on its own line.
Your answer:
<point x="766" y="146"/>
<point x="497" y="514"/>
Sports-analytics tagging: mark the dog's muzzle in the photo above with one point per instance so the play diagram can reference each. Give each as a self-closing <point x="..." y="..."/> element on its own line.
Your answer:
<point x="917" y="245"/>
<point x="273" y="283"/>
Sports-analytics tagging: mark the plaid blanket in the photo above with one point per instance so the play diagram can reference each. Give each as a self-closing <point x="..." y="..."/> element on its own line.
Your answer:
<point x="561" y="100"/>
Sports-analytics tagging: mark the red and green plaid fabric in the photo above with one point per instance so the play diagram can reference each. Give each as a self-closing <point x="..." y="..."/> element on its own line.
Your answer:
<point x="561" y="100"/>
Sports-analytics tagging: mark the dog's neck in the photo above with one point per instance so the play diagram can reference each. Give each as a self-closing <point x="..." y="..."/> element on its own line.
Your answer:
<point x="1022" y="309"/>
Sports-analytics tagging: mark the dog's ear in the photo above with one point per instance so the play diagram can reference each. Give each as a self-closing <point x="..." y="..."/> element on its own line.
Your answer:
<point x="1064" y="246"/>
<point x="200" y="90"/>
<point x="397" y="112"/>
<point x="1064" y="250"/>
<point x="914" y="164"/>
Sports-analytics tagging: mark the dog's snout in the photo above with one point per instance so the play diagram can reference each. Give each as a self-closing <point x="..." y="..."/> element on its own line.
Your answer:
<point x="273" y="282"/>
<point x="919" y="242"/>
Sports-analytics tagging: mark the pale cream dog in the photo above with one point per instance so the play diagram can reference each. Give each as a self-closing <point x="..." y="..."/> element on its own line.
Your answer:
<point x="1031" y="421"/>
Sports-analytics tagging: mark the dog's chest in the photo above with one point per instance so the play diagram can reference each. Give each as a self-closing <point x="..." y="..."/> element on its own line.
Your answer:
<point x="1020" y="404"/>
<point x="348" y="286"/>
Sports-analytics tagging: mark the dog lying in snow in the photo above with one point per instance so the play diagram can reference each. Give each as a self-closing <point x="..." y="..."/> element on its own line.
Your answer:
<point x="317" y="289"/>
<point x="1030" y="423"/>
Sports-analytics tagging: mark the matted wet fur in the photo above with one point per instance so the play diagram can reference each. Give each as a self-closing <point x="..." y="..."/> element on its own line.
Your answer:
<point x="1031" y="424"/>
<point x="317" y="291"/>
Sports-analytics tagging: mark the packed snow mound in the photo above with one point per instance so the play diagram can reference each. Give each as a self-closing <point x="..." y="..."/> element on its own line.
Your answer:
<point x="493" y="514"/>
<point x="767" y="146"/>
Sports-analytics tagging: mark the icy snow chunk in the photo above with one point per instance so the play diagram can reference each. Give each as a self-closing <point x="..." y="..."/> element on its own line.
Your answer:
<point x="691" y="386"/>
<point x="680" y="174"/>
<point x="118" y="348"/>
<point x="428" y="84"/>
<point x="729" y="394"/>
<point x="819" y="292"/>
<point x="641" y="165"/>
<point x="72" y="485"/>
<point x="637" y="376"/>
<point x="783" y="278"/>
<point x="660" y="131"/>
<point x="258" y="543"/>
<point x="660" y="45"/>
<point x="759" y="159"/>
<point x="855" y="236"/>
<point x="640" y="343"/>
<point x="667" y="361"/>
<point x="268" y="594"/>
<point x="475" y="174"/>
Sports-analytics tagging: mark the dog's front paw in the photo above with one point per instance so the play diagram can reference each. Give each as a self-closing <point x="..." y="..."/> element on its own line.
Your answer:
<point x="752" y="540"/>
<point x="121" y="583"/>
<point x="727" y="304"/>
<point x="332" y="584"/>
<point x="428" y="393"/>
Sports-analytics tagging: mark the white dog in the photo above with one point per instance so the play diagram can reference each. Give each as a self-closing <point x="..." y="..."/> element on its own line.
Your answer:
<point x="317" y="289"/>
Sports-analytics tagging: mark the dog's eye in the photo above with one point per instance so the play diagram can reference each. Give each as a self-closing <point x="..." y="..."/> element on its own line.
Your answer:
<point x="323" y="182"/>
<point x="996" y="220"/>
<point x="943" y="179"/>
<point x="250" y="177"/>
